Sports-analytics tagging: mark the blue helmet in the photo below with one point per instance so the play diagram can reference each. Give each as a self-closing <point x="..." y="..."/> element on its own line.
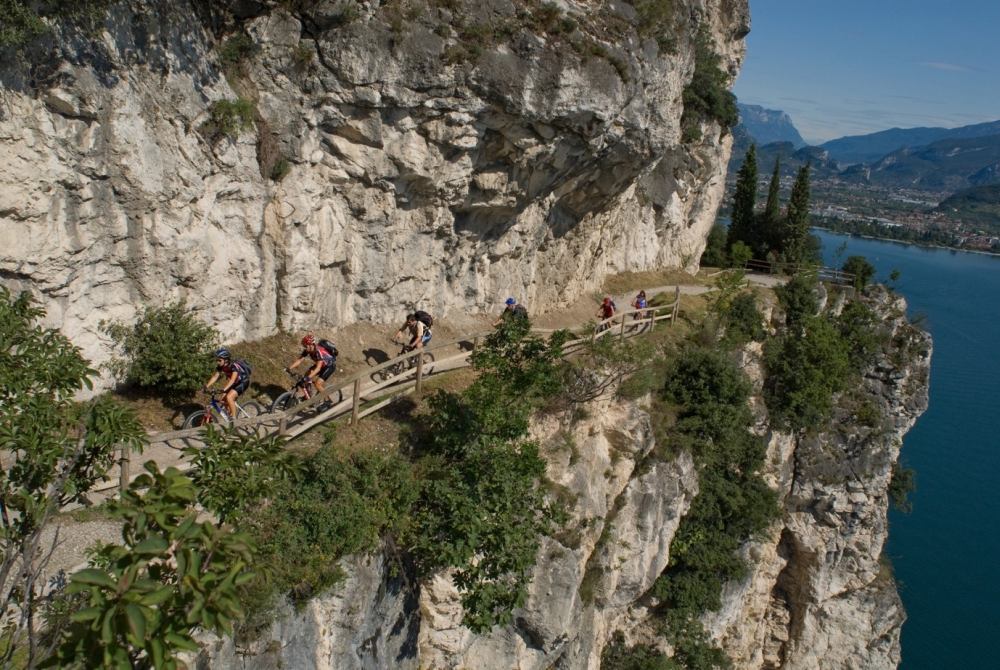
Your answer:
<point x="510" y="301"/>
<point x="223" y="353"/>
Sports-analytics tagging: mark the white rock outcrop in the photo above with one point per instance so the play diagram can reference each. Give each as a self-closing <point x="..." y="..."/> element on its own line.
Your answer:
<point x="429" y="164"/>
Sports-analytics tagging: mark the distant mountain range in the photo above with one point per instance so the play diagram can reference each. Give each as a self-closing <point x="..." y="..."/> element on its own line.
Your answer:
<point x="872" y="147"/>
<point x="934" y="159"/>
<point x="946" y="165"/>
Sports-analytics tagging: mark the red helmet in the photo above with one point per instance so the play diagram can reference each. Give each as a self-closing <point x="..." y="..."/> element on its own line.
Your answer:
<point x="607" y="301"/>
<point x="308" y="341"/>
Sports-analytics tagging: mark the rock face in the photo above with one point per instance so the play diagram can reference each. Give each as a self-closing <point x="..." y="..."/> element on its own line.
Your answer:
<point x="816" y="596"/>
<point x="441" y="154"/>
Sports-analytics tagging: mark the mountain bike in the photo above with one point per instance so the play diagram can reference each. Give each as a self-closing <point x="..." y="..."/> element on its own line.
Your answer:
<point x="403" y="365"/>
<point x="215" y="411"/>
<point x="302" y="390"/>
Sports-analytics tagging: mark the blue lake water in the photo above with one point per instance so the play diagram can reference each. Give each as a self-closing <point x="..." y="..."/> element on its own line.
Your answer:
<point x="946" y="552"/>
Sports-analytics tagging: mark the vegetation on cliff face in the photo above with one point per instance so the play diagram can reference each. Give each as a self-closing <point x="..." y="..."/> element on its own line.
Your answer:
<point x="707" y="97"/>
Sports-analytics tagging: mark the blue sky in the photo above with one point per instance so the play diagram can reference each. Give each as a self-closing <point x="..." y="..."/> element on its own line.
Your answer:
<point x="848" y="67"/>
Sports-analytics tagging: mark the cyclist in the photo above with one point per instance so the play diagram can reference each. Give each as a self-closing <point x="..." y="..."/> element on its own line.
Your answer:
<point x="237" y="378"/>
<point x="606" y="311"/>
<point x="419" y="333"/>
<point x="513" y="308"/>
<point x="324" y="361"/>
<point x="640" y="303"/>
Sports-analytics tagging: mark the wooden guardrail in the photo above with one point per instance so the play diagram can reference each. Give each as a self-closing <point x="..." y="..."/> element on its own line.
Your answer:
<point x="827" y="274"/>
<point x="306" y="414"/>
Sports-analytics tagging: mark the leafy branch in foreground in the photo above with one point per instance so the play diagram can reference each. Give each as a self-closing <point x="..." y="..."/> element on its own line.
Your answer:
<point x="142" y="599"/>
<point x="55" y="450"/>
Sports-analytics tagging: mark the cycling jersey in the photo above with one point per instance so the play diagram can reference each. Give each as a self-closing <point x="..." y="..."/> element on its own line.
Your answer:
<point x="319" y="354"/>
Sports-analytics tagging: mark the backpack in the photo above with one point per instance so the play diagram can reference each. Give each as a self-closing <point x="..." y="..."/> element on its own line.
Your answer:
<point x="424" y="318"/>
<point x="329" y="346"/>
<point x="243" y="368"/>
<point x="520" y="311"/>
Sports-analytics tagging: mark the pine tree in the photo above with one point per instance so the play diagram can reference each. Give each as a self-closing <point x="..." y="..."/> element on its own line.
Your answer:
<point x="796" y="228"/>
<point x="742" y="227"/>
<point x="769" y="223"/>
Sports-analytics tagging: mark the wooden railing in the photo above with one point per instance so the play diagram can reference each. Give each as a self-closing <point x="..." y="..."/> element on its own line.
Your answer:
<point x="354" y="392"/>
<point x="823" y="273"/>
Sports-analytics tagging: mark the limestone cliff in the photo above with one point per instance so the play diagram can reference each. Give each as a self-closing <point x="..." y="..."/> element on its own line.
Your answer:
<point x="817" y="594"/>
<point x="403" y="152"/>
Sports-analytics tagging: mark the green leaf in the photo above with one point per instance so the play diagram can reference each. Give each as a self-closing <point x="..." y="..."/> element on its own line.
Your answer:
<point x="151" y="546"/>
<point x="94" y="577"/>
<point x="182" y="642"/>
<point x="136" y="623"/>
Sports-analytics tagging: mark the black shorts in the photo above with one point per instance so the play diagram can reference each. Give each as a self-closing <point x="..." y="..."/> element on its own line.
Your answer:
<point x="326" y="371"/>
<point x="240" y="386"/>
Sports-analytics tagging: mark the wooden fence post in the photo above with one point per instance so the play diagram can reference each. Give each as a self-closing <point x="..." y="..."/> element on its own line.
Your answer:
<point x="123" y="468"/>
<point x="356" y="401"/>
<point x="420" y="371"/>
<point x="622" y="335"/>
<point x="475" y="343"/>
<point x="677" y="305"/>
<point x="283" y="424"/>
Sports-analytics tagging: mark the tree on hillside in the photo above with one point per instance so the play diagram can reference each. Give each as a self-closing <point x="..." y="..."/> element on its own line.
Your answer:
<point x="742" y="227"/>
<point x="55" y="450"/>
<point x="796" y="223"/>
<point x="769" y="222"/>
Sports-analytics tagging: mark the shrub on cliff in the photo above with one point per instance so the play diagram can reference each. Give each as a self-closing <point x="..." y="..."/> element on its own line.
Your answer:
<point x="707" y="97"/>
<point x="743" y="321"/>
<point x="229" y="118"/>
<point x="862" y="270"/>
<point x="798" y="298"/>
<point x="733" y="502"/>
<point x="167" y="351"/>
<point x="804" y="368"/>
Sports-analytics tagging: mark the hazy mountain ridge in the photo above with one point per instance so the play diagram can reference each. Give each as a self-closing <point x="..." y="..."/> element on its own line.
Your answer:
<point x="946" y="165"/>
<point x="873" y="146"/>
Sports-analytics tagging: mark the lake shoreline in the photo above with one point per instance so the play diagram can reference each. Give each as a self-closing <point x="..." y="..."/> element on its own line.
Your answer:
<point x="909" y="243"/>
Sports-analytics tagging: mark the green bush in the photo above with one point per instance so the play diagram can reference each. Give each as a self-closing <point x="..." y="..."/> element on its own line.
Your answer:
<point x="280" y="169"/>
<point x="902" y="484"/>
<point x="799" y="298"/>
<point x="230" y="117"/>
<point x="715" y="248"/>
<point x="233" y="472"/>
<point x="23" y="20"/>
<point x="482" y="507"/>
<point x="236" y="50"/>
<point x="619" y="656"/>
<point x="334" y="505"/>
<point x="740" y="254"/>
<point x="862" y="270"/>
<point x="743" y="321"/>
<point x="21" y="23"/>
<point x="861" y="330"/>
<point x="707" y="96"/>
<point x="167" y="351"/>
<point x="804" y="368"/>
<point x="733" y="502"/>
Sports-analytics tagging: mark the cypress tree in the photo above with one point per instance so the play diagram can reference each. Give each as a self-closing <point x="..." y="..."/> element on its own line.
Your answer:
<point x="742" y="227"/>
<point x="769" y="226"/>
<point x="796" y="228"/>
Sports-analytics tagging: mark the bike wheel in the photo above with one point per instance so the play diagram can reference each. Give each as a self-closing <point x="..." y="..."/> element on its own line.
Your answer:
<point x="286" y="400"/>
<point x="197" y="419"/>
<point x="384" y="374"/>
